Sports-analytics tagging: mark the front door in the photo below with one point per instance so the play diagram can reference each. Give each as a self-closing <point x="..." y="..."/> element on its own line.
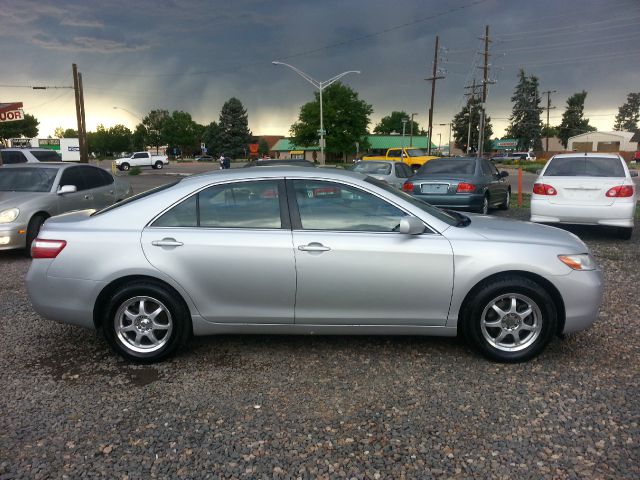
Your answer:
<point x="355" y="268"/>
<point x="230" y="249"/>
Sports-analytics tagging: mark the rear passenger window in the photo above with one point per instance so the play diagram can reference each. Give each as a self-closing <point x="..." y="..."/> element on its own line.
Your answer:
<point x="9" y="157"/>
<point x="46" y="156"/>
<point x="92" y="177"/>
<point x="234" y="205"/>
<point x="73" y="176"/>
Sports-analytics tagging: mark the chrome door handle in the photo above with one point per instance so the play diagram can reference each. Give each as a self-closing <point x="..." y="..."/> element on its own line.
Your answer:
<point x="87" y="197"/>
<point x="313" y="247"/>
<point x="167" y="242"/>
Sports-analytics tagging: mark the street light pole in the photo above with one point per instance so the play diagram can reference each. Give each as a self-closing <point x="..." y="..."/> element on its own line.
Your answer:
<point x="411" y="134"/>
<point x="404" y="126"/>
<point x="320" y="86"/>
<point x="449" y="144"/>
<point x="469" y="130"/>
<point x="439" y="142"/>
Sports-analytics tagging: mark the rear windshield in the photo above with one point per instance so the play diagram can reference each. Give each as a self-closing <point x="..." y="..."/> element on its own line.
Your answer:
<point x="415" y="152"/>
<point x="136" y="197"/>
<point x="372" y="168"/>
<point x="46" y="155"/>
<point x="465" y="166"/>
<point x="584" y="166"/>
<point x="27" y="179"/>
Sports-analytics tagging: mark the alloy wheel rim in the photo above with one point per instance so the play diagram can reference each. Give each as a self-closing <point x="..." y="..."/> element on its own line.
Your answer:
<point x="143" y="324"/>
<point x="511" y="322"/>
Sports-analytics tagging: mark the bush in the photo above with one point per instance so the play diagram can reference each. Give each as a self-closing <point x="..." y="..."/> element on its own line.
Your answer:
<point x="135" y="171"/>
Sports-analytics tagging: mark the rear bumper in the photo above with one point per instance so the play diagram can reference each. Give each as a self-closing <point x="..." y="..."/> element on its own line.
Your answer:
<point x="618" y="214"/>
<point x="458" y="200"/>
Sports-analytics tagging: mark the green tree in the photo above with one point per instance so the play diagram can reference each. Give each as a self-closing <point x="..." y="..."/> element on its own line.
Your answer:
<point x="65" y="133"/>
<point x="346" y="118"/>
<point x="139" y="138"/>
<point x="551" y="131"/>
<point x="154" y="123"/>
<point x="573" y="121"/>
<point x="211" y="138"/>
<point x="263" y="147"/>
<point x="628" y="114"/>
<point x="393" y="124"/>
<point x="97" y="141"/>
<point x="118" y="139"/>
<point x="234" y="130"/>
<point x="27" y="128"/>
<point x="460" y="127"/>
<point x="180" y="130"/>
<point x="525" y="124"/>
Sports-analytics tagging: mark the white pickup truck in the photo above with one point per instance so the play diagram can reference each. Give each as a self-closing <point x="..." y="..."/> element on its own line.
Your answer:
<point x="142" y="159"/>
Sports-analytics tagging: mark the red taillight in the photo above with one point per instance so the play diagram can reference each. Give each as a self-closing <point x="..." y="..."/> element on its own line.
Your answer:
<point x="464" y="187"/>
<point x="544" y="189"/>
<point x="620" y="191"/>
<point x="407" y="187"/>
<point x="47" y="248"/>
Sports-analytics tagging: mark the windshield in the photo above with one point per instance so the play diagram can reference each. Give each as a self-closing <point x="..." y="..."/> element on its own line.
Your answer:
<point x="465" y="166"/>
<point x="584" y="166"/>
<point x="135" y="197"/>
<point x="372" y="168"/>
<point x="27" y="179"/>
<point x="416" y="152"/>
<point x="424" y="206"/>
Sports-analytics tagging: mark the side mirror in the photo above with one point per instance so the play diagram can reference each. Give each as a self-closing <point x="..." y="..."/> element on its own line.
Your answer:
<point x="539" y="171"/>
<point x="504" y="173"/>
<point x="67" y="189"/>
<point x="411" y="226"/>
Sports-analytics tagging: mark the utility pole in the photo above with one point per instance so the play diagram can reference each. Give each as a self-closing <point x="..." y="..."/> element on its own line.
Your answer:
<point x="549" y="107"/>
<point x="434" y="76"/>
<point x="84" y="150"/>
<point x="76" y="88"/>
<point x="485" y="82"/>
<point x="472" y="96"/>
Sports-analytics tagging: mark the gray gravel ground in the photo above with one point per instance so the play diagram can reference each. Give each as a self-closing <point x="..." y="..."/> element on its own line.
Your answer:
<point x="323" y="407"/>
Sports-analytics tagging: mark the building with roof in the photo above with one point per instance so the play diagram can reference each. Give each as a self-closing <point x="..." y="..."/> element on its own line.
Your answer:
<point x="379" y="144"/>
<point x="603" y="142"/>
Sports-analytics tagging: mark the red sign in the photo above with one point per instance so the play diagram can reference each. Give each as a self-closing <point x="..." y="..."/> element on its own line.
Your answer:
<point x="253" y="148"/>
<point x="12" y="115"/>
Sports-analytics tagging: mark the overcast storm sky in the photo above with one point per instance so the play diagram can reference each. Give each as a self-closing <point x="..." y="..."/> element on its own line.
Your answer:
<point x="193" y="55"/>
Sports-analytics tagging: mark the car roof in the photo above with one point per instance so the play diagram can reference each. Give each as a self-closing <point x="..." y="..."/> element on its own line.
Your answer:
<point x="586" y="154"/>
<point x="56" y="165"/>
<point x="29" y="149"/>
<point x="272" y="172"/>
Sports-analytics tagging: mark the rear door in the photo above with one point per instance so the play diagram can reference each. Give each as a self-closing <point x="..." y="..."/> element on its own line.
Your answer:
<point x="79" y="200"/>
<point x="229" y="246"/>
<point x="583" y="180"/>
<point x="100" y="185"/>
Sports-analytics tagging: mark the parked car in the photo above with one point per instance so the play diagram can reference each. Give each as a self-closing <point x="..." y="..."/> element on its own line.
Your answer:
<point x="292" y="162"/>
<point x="414" y="157"/>
<point x="321" y="251"/>
<point x="141" y="159"/>
<point x="468" y="183"/>
<point x="10" y="156"/>
<point x="204" y="158"/>
<point x="588" y="189"/>
<point x="524" y="156"/>
<point x="31" y="193"/>
<point x="393" y="173"/>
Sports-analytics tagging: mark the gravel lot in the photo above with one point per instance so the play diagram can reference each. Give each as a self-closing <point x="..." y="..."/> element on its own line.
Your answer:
<point x="323" y="407"/>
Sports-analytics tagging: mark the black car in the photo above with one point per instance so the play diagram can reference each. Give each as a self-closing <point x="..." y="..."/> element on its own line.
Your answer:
<point x="466" y="183"/>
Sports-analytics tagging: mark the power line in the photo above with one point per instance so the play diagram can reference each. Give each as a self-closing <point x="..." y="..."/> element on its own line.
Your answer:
<point x="561" y="61"/>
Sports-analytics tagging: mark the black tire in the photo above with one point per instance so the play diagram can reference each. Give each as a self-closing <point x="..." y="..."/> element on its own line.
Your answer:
<point x="124" y="167"/>
<point x="505" y="205"/>
<point x="35" y="224"/>
<point x="484" y="207"/>
<point x="122" y="330"/>
<point x="624" y="233"/>
<point x="158" y="165"/>
<point x="499" y="343"/>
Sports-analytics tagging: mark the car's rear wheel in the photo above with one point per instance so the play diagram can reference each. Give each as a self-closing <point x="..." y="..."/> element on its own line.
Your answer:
<point x="505" y="205"/>
<point x="624" y="233"/>
<point x="35" y="224"/>
<point x="159" y="165"/>
<point x="124" y="167"/>
<point x="510" y="319"/>
<point x="484" y="206"/>
<point x="146" y="322"/>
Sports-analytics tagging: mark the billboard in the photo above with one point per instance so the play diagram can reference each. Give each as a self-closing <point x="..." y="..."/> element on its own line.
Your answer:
<point x="11" y="112"/>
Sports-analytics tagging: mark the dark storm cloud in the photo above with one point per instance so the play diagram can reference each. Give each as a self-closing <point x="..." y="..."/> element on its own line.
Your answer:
<point x="194" y="55"/>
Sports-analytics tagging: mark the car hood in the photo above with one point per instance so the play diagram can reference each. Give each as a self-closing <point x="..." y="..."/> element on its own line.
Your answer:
<point x="515" y="231"/>
<point x="15" y="199"/>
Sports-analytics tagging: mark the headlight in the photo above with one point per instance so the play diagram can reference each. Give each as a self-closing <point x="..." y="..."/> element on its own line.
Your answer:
<point x="9" y="215"/>
<point x="582" y="261"/>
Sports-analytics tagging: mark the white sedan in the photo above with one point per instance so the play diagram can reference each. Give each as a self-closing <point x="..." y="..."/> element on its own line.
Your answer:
<point x="588" y="189"/>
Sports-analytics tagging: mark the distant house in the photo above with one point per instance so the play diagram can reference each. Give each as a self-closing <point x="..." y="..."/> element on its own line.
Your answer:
<point x="603" y="142"/>
<point x="379" y="144"/>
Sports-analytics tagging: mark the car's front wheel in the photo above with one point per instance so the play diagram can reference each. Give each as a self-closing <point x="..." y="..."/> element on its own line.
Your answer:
<point x="505" y="205"/>
<point x="146" y="322"/>
<point x="124" y="167"/>
<point x="510" y="319"/>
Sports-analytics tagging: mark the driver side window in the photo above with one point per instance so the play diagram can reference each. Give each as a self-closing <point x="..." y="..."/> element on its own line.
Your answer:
<point x="333" y="206"/>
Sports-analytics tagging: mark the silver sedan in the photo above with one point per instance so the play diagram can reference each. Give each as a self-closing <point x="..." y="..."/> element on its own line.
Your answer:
<point x="394" y="173"/>
<point x="308" y="251"/>
<point x="30" y="193"/>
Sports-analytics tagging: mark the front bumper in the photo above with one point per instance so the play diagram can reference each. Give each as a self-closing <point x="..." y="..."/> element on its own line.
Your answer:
<point x="581" y="293"/>
<point x="13" y="235"/>
<point x="618" y="214"/>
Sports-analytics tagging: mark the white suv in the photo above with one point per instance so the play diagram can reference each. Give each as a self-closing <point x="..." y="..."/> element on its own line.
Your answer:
<point x="28" y="155"/>
<point x="586" y="188"/>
